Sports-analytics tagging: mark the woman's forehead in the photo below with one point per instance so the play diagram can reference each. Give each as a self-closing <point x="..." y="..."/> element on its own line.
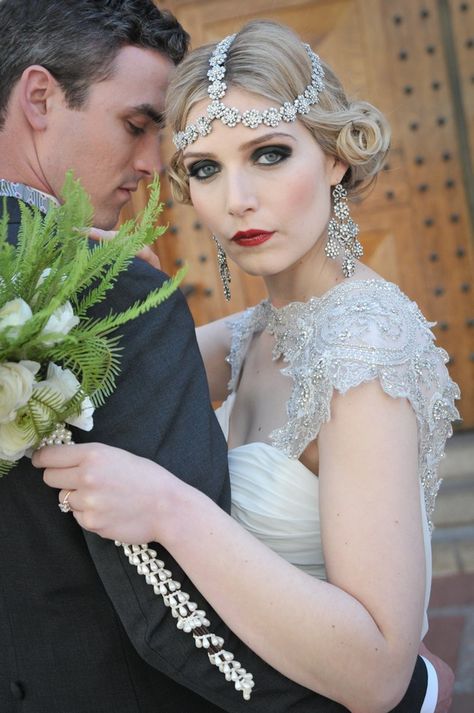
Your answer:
<point x="241" y="99"/>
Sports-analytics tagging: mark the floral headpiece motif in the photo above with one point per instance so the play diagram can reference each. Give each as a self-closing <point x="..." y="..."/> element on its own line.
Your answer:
<point x="252" y="118"/>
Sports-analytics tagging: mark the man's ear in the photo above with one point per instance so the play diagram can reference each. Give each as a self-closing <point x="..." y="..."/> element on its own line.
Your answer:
<point x="37" y="86"/>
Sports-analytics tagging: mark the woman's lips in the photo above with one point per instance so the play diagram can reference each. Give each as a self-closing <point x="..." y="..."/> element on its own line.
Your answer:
<point x="250" y="238"/>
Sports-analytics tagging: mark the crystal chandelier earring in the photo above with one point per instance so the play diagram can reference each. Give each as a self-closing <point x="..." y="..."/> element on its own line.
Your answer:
<point x="224" y="271"/>
<point x="342" y="233"/>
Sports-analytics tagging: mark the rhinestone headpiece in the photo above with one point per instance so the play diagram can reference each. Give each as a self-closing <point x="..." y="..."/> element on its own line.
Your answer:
<point x="252" y="118"/>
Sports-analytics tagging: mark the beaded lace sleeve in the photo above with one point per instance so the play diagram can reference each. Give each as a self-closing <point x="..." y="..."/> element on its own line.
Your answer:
<point x="357" y="332"/>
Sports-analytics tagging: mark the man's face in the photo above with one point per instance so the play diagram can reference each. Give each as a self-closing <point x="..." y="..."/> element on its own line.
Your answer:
<point x="113" y="140"/>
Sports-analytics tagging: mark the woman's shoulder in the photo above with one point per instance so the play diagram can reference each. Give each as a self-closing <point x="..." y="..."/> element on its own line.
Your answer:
<point x="360" y="331"/>
<point x="372" y="320"/>
<point x="370" y="329"/>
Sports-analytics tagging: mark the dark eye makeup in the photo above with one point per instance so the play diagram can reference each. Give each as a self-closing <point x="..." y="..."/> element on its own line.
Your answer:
<point x="203" y="169"/>
<point x="270" y="155"/>
<point x="262" y="156"/>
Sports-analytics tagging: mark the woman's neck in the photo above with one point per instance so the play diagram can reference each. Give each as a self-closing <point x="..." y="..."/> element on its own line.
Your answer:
<point x="312" y="276"/>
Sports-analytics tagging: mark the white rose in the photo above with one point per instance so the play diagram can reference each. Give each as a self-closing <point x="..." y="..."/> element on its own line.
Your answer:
<point x="14" y="314"/>
<point x="65" y="383"/>
<point x="14" y="442"/>
<point x="16" y="387"/>
<point x="61" y="321"/>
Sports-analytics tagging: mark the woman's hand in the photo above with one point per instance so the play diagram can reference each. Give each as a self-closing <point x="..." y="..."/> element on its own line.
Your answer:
<point x="445" y="679"/>
<point x="113" y="493"/>
<point x="147" y="253"/>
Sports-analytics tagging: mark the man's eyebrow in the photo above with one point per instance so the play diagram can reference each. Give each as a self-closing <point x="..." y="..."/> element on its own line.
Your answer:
<point x="150" y="112"/>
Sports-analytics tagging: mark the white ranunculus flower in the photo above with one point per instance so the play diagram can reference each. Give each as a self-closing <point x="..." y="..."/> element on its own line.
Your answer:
<point x="13" y="440"/>
<point x="65" y="383"/>
<point x="16" y="387"/>
<point x="14" y="314"/>
<point x="61" y="321"/>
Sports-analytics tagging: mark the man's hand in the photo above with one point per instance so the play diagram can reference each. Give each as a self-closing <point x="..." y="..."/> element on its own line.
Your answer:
<point x="147" y="254"/>
<point x="445" y="680"/>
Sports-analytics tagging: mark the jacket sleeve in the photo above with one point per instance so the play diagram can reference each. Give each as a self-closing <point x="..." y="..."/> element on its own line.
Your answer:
<point x="161" y="410"/>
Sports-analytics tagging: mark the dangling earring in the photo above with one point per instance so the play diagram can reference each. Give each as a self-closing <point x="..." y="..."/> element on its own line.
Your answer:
<point x="223" y="268"/>
<point x="342" y="233"/>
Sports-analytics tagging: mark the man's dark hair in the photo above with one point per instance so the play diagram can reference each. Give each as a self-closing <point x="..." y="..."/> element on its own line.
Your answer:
<point x="78" y="40"/>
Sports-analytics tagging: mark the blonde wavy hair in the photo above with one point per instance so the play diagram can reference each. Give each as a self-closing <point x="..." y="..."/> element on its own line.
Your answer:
<point x="269" y="59"/>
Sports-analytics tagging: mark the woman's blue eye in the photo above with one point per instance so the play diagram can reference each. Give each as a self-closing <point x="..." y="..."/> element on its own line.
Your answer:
<point x="270" y="155"/>
<point x="202" y="170"/>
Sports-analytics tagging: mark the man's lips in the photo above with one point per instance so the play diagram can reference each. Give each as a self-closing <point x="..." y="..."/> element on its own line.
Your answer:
<point x="127" y="190"/>
<point x="249" y="238"/>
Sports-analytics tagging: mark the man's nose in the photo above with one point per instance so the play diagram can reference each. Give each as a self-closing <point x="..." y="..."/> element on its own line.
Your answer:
<point x="148" y="159"/>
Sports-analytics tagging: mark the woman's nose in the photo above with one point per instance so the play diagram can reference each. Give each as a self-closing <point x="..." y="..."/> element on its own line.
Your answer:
<point x="241" y="194"/>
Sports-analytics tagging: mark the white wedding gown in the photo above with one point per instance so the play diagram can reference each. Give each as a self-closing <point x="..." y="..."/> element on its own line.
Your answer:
<point x="276" y="499"/>
<point x="356" y="332"/>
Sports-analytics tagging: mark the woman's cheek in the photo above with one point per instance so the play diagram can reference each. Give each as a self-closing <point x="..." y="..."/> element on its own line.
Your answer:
<point x="203" y="205"/>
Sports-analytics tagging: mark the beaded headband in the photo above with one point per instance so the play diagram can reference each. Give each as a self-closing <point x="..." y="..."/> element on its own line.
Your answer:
<point x="252" y="118"/>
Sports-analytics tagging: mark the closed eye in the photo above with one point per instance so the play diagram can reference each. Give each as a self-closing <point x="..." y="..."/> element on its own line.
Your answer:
<point x="134" y="129"/>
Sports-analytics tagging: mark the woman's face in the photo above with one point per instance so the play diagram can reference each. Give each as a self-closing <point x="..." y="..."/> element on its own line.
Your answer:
<point x="264" y="193"/>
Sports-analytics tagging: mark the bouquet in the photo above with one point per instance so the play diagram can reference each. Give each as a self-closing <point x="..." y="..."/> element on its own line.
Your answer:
<point x="57" y="364"/>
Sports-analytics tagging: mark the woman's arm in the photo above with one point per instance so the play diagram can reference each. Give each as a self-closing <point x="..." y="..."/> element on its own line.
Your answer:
<point x="353" y="640"/>
<point x="214" y="341"/>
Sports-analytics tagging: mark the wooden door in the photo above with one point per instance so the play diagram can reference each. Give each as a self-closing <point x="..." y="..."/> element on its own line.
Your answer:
<point x="413" y="59"/>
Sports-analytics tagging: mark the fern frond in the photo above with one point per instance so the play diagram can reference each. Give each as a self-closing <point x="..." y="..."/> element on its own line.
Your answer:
<point x="4" y="223"/>
<point x="6" y="466"/>
<point x="32" y="250"/>
<point x="47" y="407"/>
<point x="153" y="299"/>
<point x="41" y="413"/>
<point x="107" y="262"/>
<point x="53" y="263"/>
<point x="94" y="360"/>
<point x="7" y="271"/>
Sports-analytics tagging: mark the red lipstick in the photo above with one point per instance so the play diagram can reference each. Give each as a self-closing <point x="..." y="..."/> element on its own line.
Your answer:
<point x="250" y="238"/>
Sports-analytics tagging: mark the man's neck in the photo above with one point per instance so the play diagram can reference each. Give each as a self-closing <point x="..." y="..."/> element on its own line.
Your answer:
<point x="20" y="165"/>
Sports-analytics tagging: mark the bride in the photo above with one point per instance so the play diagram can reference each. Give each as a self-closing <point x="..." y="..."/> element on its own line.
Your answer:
<point x="336" y="403"/>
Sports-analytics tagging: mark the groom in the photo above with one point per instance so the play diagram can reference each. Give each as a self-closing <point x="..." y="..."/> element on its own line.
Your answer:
<point x="82" y="87"/>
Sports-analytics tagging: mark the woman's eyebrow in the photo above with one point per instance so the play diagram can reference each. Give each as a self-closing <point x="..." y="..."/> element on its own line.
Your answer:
<point x="266" y="137"/>
<point x="243" y="147"/>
